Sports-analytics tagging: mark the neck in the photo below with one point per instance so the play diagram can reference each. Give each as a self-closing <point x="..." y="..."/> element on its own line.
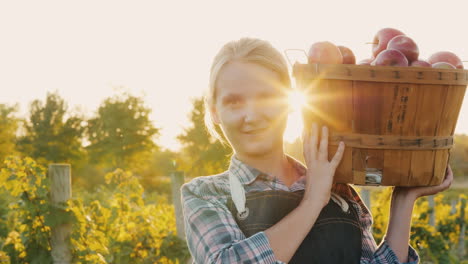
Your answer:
<point x="273" y="163"/>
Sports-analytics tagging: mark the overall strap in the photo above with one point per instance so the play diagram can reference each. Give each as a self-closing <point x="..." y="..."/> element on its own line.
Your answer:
<point x="238" y="195"/>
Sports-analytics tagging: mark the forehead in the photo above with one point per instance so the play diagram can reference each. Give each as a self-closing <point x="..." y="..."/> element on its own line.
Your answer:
<point x="247" y="79"/>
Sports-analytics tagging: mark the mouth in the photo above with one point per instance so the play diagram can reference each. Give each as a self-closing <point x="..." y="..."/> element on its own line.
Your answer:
<point x="255" y="132"/>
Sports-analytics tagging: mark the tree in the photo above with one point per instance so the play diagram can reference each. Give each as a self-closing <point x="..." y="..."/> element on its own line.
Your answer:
<point x="8" y="128"/>
<point x="202" y="154"/>
<point x="50" y="136"/>
<point x="459" y="156"/>
<point x="121" y="135"/>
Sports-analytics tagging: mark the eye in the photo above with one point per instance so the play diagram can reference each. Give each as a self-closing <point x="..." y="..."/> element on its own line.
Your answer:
<point x="270" y="99"/>
<point x="233" y="101"/>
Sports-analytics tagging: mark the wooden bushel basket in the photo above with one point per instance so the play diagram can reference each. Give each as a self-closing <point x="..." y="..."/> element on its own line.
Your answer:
<point x="397" y="122"/>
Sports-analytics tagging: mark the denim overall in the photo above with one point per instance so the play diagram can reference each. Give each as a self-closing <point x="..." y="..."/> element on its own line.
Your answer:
<point x="336" y="236"/>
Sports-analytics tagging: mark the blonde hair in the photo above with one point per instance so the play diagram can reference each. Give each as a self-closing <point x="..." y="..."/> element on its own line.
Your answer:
<point x="250" y="50"/>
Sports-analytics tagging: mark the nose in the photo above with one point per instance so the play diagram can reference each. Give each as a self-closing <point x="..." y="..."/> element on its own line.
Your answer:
<point x="252" y="113"/>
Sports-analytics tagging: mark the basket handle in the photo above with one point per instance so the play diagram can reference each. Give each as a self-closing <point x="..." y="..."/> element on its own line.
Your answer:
<point x="301" y="56"/>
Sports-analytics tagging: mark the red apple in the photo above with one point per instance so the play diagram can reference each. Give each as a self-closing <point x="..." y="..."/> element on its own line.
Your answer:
<point x="420" y="63"/>
<point x="406" y="45"/>
<point x="381" y="39"/>
<point x="446" y="56"/>
<point x="348" y="55"/>
<point x="325" y="52"/>
<point x="443" y="65"/>
<point x="365" y="62"/>
<point x="390" y="57"/>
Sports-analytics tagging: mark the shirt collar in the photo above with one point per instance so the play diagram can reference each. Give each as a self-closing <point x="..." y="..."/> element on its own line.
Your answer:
<point x="244" y="172"/>
<point x="248" y="174"/>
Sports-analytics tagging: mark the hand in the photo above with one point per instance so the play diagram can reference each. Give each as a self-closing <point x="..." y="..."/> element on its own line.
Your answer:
<point x="320" y="171"/>
<point x="416" y="192"/>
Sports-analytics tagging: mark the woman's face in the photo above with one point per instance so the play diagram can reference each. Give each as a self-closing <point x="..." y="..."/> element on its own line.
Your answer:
<point x="251" y="107"/>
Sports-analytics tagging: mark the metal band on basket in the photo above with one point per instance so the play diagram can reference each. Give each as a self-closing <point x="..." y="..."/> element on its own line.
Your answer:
<point x="391" y="141"/>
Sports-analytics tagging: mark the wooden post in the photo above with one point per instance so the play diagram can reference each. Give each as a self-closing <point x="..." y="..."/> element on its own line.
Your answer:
<point x="432" y="206"/>
<point x="177" y="179"/>
<point x="60" y="191"/>
<point x="461" y="237"/>
<point x="453" y="204"/>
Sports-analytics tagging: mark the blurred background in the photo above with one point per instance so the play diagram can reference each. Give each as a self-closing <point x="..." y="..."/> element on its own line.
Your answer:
<point x="115" y="88"/>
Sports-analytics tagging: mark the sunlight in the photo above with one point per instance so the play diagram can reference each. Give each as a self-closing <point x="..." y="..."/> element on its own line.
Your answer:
<point x="297" y="100"/>
<point x="294" y="127"/>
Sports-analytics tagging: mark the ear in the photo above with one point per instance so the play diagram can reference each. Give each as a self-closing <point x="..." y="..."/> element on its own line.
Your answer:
<point x="214" y="115"/>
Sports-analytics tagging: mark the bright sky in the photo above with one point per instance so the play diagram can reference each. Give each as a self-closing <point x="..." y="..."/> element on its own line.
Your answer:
<point x="88" y="50"/>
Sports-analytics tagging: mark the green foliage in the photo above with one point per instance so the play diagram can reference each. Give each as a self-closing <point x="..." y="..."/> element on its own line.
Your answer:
<point x="161" y="165"/>
<point x="128" y="230"/>
<point x="8" y="127"/>
<point x="435" y="244"/>
<point x="121" y="134"/>
<point x="49" y="135"/>
<point x="29" y="238"/>
<point x="124" y="228"/>
<point x="202" y="154"/>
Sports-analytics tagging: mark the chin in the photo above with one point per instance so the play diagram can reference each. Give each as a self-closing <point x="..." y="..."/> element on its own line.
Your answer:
<point x="258" y="149"/>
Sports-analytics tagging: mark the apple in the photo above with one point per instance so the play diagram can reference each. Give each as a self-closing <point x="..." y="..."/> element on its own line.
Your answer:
<point x="443" y="65"/>
<point x="348" y="55"/>
<point x="325" y="52"/>
<point x="390" y="57"/>
<point x="406" y="45"/>
<point x="420" y="63"/>
<point x="365" y="61"/>
<point x="381" y="39"/>
<point x="446" y="56"/>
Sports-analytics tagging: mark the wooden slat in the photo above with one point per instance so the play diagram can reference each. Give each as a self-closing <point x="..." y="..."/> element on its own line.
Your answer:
<point x="430" y="106"/>
<point x="446" y="126"/>
<point x="392" y="158"/>
<point x="368" y="101"/>
<point x="389" y="74"/>
<point x="339" y="110"/>
<point x="399" y="113"/>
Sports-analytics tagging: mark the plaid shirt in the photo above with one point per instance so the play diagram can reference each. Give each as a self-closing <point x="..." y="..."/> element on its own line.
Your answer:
<point x="213" y="235"/>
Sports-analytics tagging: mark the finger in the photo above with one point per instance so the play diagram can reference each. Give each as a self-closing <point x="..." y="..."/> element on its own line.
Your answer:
<point x="323" y="150"/>
<point x="449" y="170"/>
<point x="449" y="175"/>
<point x="338" y="155"/>
<point x="446" y="182"/>
<point x="313" y="136"/>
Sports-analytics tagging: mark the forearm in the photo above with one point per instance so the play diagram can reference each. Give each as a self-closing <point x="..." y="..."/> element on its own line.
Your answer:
<point x="286" y="236"/>
<point x="398" y="231"/>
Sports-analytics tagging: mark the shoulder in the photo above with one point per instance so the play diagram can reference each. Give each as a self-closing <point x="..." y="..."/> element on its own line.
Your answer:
<point x="348" y="192"/>
<point x="207" y="187"/>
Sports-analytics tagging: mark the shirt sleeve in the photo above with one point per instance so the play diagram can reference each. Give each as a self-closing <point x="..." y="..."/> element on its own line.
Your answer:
<point x="382" y="254"/>
<point x="213" y="236"/>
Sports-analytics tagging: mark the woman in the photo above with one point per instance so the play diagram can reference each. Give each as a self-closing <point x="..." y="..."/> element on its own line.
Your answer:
<point x="268" y="207"/>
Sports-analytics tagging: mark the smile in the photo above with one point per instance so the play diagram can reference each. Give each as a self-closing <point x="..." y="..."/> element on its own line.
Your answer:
<point x="254" y="132"/>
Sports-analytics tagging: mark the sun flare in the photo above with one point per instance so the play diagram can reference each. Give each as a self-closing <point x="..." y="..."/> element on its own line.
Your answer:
<point x="297" y="100"/>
